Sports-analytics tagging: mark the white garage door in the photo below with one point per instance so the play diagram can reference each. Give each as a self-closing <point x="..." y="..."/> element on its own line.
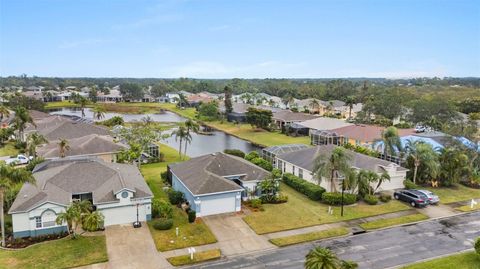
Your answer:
<point x="122" y="215"/>
<point x="211" y="205"/>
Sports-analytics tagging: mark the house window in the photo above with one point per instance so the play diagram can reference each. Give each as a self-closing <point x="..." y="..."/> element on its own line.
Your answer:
<point x="38" y="222"/>
<point x="124" y="194"/>
<point x="300" y="173"/>
<point x="279" y="164"/>
<point x="293" y="169"/>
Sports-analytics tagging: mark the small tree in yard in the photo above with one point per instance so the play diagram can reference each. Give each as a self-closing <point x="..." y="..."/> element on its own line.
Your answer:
<point x="269" y="188"/>
<point x="259" y="118"/>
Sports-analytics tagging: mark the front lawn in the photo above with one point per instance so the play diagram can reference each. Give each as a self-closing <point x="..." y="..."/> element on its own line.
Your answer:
<point x="456" y="193"/>
<point x="190" y="234"/>
<point x="8" y="149"/>
<point x="203" y="256"/>
<point x="62" y="253"/>
<point x="307" y="237"/>
<point x="467" y="260"/>
<point x="382" y="223"/>
<point x="300" y="212"/>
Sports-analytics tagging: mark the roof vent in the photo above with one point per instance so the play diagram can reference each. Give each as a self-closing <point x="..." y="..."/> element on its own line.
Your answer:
<point x="213" y="154"/>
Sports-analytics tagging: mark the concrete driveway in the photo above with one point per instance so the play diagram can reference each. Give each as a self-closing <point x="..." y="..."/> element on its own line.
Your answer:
<point x="234" y="235"/>
<point x="131" y="248"/>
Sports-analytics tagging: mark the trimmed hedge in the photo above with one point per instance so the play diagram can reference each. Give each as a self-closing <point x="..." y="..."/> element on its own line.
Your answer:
<point x="409" y="184"/>
<point x="163" y="224"/>
<point x="312" y="191"/>
<point x="477" y="246"/>
<point x="192" y="215"/>
<point x="384" y="197"/>
<point x="251" y="155"/>
<point x="370" y="199"/>
<point x="335" y="198"/>
<point x="262" y="163"/>
<point x="175" y="197"/>
<point x="235" y="152"/>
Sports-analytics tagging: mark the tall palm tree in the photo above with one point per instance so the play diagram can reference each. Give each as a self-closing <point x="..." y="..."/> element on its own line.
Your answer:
<point x="350" y="102"/>
<point x="180" y="134"/>
<point x="83" y="103"/>
<point x="191" y="126"/>
<point x="391" y="141"/>
<point x="4" y="112"/>
<point x="422" y="154"/>
<point x="92" y="221"/>
<point x="147" y="120"/>
<point x="10" y="177"/>
<point x="22" y="117"/>
<point x="383" y="177"/>
<point x="331" y="167"/>
<point x="321" y="258"/>
<point x="63" y="147"/>
<point x="71" y="217"/>
<point x="33" y="141"/>
<point x="314" y="105"/>
<point x="99" y="113"/>
<point x="365" y="179"/>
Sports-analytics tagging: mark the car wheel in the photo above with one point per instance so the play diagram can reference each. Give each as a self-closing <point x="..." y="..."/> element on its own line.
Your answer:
<point x="396" y="197"/>
<point x="413" y="204"/>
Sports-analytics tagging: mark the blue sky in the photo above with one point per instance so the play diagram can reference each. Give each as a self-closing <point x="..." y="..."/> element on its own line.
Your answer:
<point x="243" y="38"/>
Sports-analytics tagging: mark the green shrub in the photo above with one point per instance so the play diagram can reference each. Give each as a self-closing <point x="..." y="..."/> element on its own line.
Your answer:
<point x="312" y="191"/>
<point x="370" y="199"/>
<point x="262" y="163"/>
<point x="403" y="125"/>
<point x="477" y="246"/>
<point x="164" y="175"/>
<point x="335" y="198"/>
<point x="276" y="173"/>
<point x="161" y="209"/>
<point x="163" y="224"/>
<point x="256" y="203"/>
<point x="192" y="215"/>
<point x="282" y="198"/>
<point x="348" y="265"/>
<point x="251" y="155"/>
<point x="235" y="152"/>
<point x="175" y="197"/>
<point x="116" y="120"/>
<point x="384" y="197"/>
<point x="409" y="184"/>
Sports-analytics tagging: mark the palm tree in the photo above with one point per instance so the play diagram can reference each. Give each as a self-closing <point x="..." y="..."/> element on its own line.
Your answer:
<point x="391" y="142"/>
<point x="332" y="166"/>
<point x="22" y="117"/>
<point x="92" y="221"/>
<point x="180" y="134"/>
<point x="383" y="177"/>
<point x="99" y="113"/>
<point x="33" y="140"/>
<point x="365" y="179"/>
<point x="314" y="105"/>
<point x="422" y="154"/>
<point x="350" y="102"/>
<point x="4" y="112"/>
<point x="83" y="102"/>
<point x="71" y="217"/>
<point x="147" y="120"/>
<point x="10" y="177"/>
<point x="272" y="103"/>
<point x="321" y="258"/>
<point x="63" y="147"/>
<point x="190" y="126"/>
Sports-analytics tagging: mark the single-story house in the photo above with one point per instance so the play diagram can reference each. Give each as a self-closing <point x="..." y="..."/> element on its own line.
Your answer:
<point x="195" y="100"/>
<point x="324" y="123"/>
<point x="113" y="96"/>
<point x="301" y="164"/>
<point x="283" y="118"/>
<point x="216" y="183"/>
<point x="118" y="191"/>
<point x="169" y="98"/>
<point x="270" y="153"/>
<point x="100" y="146"/>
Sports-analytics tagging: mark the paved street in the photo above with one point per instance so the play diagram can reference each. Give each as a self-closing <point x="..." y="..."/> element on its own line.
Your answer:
<point x="380" y="249"/>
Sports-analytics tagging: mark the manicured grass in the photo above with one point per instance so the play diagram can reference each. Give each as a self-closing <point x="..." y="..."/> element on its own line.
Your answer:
<point x="63" y="253"/>
<point x="456" y="193"/>
<point x="60" y="104"/>
<point x="300" y="212"/>
<point x="467" y="260"/>
<point x="467" y="208"/>
<point x="307" y="237"/>
<point x="8" y="149"/>
<point x="382" y="223"/>
<point x="207" y="255"/>
<point x="190" y="234"/>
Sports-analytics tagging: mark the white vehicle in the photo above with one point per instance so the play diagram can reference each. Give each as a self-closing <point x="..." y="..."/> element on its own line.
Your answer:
<point x="20" y="159"/>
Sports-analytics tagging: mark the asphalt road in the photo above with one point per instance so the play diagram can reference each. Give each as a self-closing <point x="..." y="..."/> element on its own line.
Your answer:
<point x="378" y="249"/>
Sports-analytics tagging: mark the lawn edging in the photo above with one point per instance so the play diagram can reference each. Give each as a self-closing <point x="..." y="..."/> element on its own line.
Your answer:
<point x="308" y="237"/>
<point x="203" y="256"/>
<point x="393" y="222"/>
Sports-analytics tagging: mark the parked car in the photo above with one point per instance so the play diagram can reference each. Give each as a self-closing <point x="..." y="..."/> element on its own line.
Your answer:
<point x="432" y="198"/>
<point x="420" y="129"/>
<point x="20" y="159"/>
<point x="413" y="197"/>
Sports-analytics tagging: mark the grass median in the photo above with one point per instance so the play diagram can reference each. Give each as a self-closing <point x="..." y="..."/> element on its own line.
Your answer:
<point x="382" y="223"/>
<point x="467" y="260"/>
<point x="307" y="237"/>
<point x="203" y="256"/>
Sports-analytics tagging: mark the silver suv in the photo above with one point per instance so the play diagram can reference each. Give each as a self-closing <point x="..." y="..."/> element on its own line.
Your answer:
<point x="432" y="198"/>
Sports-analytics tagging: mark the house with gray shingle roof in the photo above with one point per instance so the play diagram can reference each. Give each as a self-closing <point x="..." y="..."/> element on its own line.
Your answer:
<point x="115" y="190"/>
<point x="215" y="183"/>
<point x="301" y="163"/>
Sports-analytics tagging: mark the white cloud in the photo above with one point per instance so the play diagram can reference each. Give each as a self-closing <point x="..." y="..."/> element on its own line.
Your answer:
<point x="80" y="43"/>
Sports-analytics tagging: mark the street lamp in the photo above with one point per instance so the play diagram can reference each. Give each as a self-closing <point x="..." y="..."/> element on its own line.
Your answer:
<point x="343" y="190"/>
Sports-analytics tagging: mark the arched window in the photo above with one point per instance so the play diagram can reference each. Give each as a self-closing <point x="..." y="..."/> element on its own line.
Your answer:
<point x="48" y="218"/>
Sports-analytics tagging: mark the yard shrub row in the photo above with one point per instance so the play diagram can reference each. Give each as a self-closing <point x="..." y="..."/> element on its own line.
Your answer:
<point x="312" y="191"/>
<point x="335" y="198"/>
<point x="163" y="224"/>
<point x="370" y="199"/>
<point x="235" y="152"/>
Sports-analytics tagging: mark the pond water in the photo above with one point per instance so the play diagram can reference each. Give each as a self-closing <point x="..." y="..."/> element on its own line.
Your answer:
<point x="166" y="116"/>
<point x="201" y="144"/>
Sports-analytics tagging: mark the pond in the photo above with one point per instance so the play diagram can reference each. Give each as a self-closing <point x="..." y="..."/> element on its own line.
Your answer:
<point x="166" y="116"/>
<point x="201" y="144"/>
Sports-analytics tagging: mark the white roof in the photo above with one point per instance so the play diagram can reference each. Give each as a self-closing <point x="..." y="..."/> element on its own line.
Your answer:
<point x="324" y="123"/>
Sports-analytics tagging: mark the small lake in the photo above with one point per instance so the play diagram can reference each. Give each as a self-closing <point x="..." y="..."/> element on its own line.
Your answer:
<point x="201" y="144"/>
<point x="166" y="116"/>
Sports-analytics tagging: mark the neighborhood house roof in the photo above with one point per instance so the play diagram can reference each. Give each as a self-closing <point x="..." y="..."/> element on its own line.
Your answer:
<point x="324" y="123"/>
<point x="366" y="133"/>
<point x="206" y="174"/>
<point x="285" y="148"/>
<point x="57" y="180"/>
<point x="305" y="158"/>
<point x="289" y="116"/>
<point x="86" y="145"/>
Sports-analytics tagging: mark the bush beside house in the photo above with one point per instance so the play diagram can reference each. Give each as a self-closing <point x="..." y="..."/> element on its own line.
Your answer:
<point x="312" y="191"/>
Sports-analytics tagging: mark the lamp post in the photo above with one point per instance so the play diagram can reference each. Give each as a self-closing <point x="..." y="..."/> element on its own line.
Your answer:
<point x="343" y="190"/>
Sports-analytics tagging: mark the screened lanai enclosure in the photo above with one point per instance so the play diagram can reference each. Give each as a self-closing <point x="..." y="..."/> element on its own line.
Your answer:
<point x="327" y="138"/>
<point x="270" y="153"/>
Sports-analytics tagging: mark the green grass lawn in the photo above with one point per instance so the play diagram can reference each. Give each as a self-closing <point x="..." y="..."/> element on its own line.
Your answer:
<point x="467" y="208"/>
<point x="467" y="260"/>
<point x="190" y="234"/>
<point x="63" y="253"/>
<point x="307" y="237"/>
<point x="60" y="104"/>
<point x="8" y="149"/>
<point x="382" y="223"/>
<point x="300" y="212"/>
<point x="207" y="255"/>
<point x="456" y="193"/>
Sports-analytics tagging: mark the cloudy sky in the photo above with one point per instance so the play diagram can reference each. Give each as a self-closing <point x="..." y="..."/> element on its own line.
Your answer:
<point x="241" y="38"/>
